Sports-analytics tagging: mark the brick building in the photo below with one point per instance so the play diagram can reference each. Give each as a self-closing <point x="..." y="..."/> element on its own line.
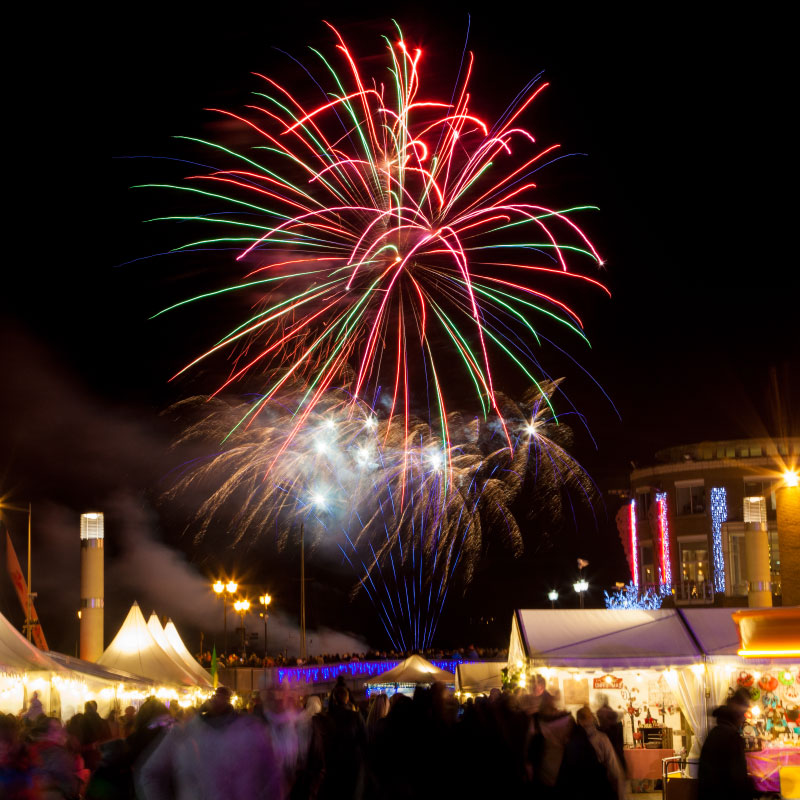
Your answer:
<point x="697" y="521"/>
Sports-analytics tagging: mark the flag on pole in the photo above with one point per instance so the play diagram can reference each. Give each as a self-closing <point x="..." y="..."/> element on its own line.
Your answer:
<point x="214" y="676"/>
<point x="582" y="563"/>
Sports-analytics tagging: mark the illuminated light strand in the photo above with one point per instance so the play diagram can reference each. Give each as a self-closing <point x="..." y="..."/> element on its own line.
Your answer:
<point x="665" y="568"/>
<point x="630" y="597"/>
<point x="719" y="515"/>
<point x="634" y="546"/>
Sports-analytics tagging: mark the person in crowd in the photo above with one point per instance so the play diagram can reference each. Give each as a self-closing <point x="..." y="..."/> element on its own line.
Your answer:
<point x="338" y="770"/>
<point x="16" y="778"/>
<point x="722" y="773"/>
<point x="35" y="709"/>
<point x="92" y="731"/>
<point x="289" y="731"/>
<point x="121" y="758"/>
<point x="217" y="753"/>
<point x="114" y="730"/>
<point x="551" y="729"/>
<point x="608" y="722"/>
<point x="608" y="778"/>
<point x="57" y="771"/>
<point x="127" y="722"/>
<point x="378" y="709"/>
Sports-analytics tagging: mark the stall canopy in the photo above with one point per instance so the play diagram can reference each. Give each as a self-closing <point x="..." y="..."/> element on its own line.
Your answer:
<point x="414" y="670"/>
<point x="17" y="654"/>
<point x="135" y="650"/>
<point x="95" y="672"/>
<point x="479" y="677"/>
<point x="174" y="638"/>
<point x="160" y="635"/>
<point x="602" y="638"/>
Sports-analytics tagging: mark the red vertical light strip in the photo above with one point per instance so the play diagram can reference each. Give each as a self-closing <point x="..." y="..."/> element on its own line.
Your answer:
<point x="634" y="546"/>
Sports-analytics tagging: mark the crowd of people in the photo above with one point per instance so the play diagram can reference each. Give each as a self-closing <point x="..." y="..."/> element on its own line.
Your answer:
<point x="285" y="659"/>
<point x="283" y="747"/>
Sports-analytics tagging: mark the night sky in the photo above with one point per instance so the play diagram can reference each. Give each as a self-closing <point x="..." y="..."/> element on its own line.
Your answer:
<point x="683" y="127"/>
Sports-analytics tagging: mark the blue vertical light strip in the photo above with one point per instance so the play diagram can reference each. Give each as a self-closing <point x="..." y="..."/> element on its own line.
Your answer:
<point x="665" y="567"/>
<point x="634" y="546"/>
<point x="719" y="514"/>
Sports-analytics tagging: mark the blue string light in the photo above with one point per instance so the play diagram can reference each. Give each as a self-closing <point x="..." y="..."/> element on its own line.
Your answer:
<point x="719" y="514"/>
<point x="629" y="597"/>
<point x="353" y="669"/>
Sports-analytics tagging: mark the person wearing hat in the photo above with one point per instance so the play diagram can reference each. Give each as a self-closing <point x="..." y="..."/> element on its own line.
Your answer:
<point x="723" y="767"/>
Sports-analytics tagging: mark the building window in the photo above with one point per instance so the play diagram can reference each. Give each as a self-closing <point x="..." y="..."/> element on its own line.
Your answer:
<point x="648" y="572"/>
<point x="694" y="565"/>
<point x="642" y="505"/>
<point x="762" y="487"/>
<point x="738" y="584"/>
<point x="690" y="499"/>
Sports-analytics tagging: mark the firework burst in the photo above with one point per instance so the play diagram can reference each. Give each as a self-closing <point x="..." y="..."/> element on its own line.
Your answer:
<point x="391" y="234"/>
<point x="401" y="518"/>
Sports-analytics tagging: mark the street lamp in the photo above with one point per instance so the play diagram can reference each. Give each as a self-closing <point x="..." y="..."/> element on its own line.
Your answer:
<point x="242" y="606"/>
<point x="552" y="596"/>
<point x="265" y="600"/>
<point x="580" y="587"/>
<point x="225" y="589"/>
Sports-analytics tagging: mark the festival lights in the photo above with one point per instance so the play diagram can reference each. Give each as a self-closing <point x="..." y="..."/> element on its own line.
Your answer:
<point x="719" y="514"/>
<point x="634" y="546"/>
<point x="665" y="568"/>
<point x="630" y="597"/>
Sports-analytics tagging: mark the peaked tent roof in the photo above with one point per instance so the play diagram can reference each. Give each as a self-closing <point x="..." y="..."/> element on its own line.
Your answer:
<point x="95" y="671"/>
<point x="135" y="650"/>
<point x="160" y="635"/>
<point x="603" y="638"/>
<point x="174" y="638"/>
<point x="17" y="654"/>
<point x="414" y="669"/>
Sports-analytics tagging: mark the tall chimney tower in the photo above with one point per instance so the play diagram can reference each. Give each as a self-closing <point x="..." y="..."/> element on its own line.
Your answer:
<point x="92" y="600"/>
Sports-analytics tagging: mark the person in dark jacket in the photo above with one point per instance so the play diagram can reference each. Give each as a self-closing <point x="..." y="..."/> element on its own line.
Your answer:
<point x="723" y="767"/>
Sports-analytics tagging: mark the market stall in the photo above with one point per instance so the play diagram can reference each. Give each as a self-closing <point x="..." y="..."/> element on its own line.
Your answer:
<point x="771" y="677"/>
<point x="630" y="659"/>
<point x="407" y="675"/>
<point x="24" y="669"/>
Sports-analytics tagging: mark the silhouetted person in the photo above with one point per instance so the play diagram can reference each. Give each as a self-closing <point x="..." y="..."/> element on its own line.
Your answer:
<point x="217" y="753"/>
<point x="723" y="768"/>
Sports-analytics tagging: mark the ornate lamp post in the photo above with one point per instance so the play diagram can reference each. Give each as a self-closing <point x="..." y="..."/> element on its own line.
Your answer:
<point x="225" y="589"/>
<point x="242" y="607"/>
<point x="581" y="587"/>
<point x="265" y="600"/>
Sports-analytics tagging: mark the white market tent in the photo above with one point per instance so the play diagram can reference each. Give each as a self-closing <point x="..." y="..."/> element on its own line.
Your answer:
<point x="415" y="670"/>
<point x="88" y="681"/>
<point x="18" y="655"/>
<point x="696" y="650"/>
<point x="160" y="635"/>
<point x="603" y="639"/>
<point x="180" y="649"/>
<point x="479" y="677"/>
<point x="135" y="650"/>
<point x="23" y="669"/>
